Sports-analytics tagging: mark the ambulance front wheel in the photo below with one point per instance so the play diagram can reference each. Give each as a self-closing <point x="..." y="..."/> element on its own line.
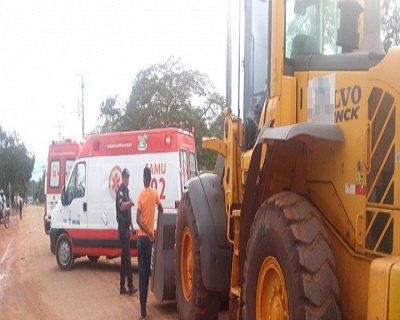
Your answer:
<point x="64" y="256"/>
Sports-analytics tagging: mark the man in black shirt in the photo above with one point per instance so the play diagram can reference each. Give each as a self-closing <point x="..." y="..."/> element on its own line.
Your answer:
<point x="123" y="205"/>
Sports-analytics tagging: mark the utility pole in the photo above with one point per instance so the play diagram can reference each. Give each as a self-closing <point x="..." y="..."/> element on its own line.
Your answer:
<point x="83" y="111"/>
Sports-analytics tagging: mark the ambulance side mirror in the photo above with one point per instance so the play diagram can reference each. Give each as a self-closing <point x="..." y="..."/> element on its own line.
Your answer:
<point x="66" y="197"/>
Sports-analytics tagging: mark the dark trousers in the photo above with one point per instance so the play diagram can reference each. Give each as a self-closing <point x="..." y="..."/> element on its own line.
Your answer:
<point x="144" y="260"/>
<point x="125" y="270"/>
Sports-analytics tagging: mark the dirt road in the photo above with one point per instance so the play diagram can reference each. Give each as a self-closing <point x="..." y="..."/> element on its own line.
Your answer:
<point x="33" y="287"/>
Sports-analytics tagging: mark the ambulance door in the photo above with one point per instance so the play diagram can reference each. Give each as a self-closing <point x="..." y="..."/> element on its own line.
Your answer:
<point x="188" y="166"/>
<point x="75" y="198"/>
<point x="104" y="179"/>
<point x="184" y="169"/>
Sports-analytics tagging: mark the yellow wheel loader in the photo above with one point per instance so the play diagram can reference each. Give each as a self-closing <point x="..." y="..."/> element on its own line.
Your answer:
<point x="301" y="218"/>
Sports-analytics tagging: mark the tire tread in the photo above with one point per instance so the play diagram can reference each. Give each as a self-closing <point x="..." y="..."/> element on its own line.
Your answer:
<point x="205" y="303"/>
<point x="307" y="249"/>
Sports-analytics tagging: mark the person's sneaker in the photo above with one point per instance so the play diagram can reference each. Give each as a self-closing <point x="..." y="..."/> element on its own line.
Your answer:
<point x="122" y="290"/>
<point x="132" y="290"/>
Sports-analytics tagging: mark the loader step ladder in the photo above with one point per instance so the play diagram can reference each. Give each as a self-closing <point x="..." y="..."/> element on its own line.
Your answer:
<point x="235" y="292"/>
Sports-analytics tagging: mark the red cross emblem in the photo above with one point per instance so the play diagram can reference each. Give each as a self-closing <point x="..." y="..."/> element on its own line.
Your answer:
<point x="54" y="172"/>
<point x="114" y="180"/>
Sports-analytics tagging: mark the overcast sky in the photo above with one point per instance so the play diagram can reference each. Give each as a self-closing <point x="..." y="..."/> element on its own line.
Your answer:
<point x="46" y="46"/>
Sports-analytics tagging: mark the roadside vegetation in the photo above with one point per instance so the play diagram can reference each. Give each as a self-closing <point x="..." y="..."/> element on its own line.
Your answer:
<point x="169" y="95"/>
<point x="16" y="164"/>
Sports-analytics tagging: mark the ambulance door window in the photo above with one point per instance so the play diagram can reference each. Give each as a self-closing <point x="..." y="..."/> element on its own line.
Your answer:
<point x="54" y="174"/>
<point x="77" y="183"/>
<point x="192" y="165"/>
<point x="80" y="181"/>
<point x="184" y="168"/>
<point x="68" y="167"/>
<point x="70" y="188"/>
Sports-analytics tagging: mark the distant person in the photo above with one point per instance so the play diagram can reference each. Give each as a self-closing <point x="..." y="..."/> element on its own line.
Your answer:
<point x="147" y="201"/>
<point x="20" y="204"/>
<point x="2" y="203"/>
<point x="123" y="205"/>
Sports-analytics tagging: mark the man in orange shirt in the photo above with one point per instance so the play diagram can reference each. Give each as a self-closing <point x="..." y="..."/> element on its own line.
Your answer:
<point x="146" y="205"/>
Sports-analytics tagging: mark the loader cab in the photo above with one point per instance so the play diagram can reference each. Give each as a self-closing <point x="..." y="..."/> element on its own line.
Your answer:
<point x="329" y="29"/>
<point x="324" y="29"/>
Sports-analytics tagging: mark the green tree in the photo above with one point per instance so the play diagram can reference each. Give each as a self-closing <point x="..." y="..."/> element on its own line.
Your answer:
<point x="110" y="115"/>
<point x="390" y="23"/>
<point x="16" y="164"/>
<point x="167" y="94"/>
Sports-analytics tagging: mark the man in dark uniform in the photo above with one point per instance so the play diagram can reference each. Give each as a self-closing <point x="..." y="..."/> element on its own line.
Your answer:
<point x="123" y="207"/>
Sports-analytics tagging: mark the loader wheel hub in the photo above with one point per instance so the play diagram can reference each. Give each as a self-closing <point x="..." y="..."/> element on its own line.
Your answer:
<point x="186" y="264"/>
<point x="271" y="296"/>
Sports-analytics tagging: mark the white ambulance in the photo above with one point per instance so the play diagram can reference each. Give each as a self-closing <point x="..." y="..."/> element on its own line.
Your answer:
<point x="84" y="221"/>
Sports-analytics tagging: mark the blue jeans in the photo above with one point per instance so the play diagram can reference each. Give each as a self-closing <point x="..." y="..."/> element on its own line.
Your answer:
<point x="144" y="261"/>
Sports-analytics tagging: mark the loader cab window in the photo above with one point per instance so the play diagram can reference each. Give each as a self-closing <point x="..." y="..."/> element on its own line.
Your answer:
<point x="77" y="184"/>
<point x="311" y="27"/>
<point x="256" y="67"/>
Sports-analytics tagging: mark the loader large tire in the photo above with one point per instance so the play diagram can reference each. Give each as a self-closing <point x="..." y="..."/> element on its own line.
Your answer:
<point x="289" y="271"/>
<point x="194" y="301"/>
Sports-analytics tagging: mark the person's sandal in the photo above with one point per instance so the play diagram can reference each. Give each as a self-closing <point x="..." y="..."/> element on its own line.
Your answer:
<point x="132" y="290"/>
<point x="122" y="290"/>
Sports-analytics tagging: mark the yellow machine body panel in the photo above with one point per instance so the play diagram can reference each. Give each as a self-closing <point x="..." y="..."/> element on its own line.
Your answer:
<point x="353" y="273"/>
<point x="394" y="296"/>
<point x="356" y="184"/>
<point x="384" y="288"/>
